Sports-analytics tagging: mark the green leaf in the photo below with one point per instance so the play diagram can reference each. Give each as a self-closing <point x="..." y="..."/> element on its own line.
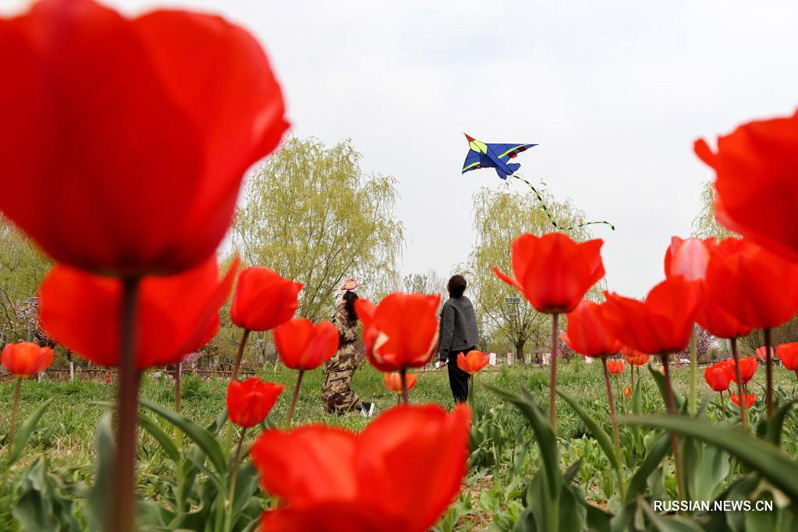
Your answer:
<point x="764" y="457"/>
<point x="40" y="507"/>
<point x="24" y="433"/>
<point x="164" y="439"/>
<point x="599" y="433"/>
<point x="639" y="481"/>
<point x="573" y="515"/>
<point x="776" y="424"/>
<point x="99" y="502"/>
<point x="659" y="380"/>
<point x="572" y="470"/>
<point x="203" y="438"/>
<point x="544" y="436"/>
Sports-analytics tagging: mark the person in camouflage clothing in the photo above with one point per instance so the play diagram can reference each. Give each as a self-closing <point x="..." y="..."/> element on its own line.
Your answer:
<point x="337" y="394"/>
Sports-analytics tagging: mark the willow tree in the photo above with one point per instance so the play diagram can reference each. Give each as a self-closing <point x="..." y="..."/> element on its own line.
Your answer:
<point x="705" y="225"/>
<point x="22" y="269"/>
<point x="499" y="217"/>
<point x="314" y="216"/>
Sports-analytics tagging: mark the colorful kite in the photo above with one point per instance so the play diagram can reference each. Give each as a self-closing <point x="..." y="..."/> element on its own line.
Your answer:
<point x="497" y="156"/>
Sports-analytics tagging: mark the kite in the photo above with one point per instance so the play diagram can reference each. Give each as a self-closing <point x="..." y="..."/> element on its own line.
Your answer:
<point x="481" y="155"/>
<point x="498" y="156"/>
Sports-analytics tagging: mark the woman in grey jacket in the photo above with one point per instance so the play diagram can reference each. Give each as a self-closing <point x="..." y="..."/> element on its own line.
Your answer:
<point x="458" y="334"/>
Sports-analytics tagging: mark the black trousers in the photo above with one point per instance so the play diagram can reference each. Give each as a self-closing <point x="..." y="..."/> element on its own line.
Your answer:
<point x="458" y="379"/>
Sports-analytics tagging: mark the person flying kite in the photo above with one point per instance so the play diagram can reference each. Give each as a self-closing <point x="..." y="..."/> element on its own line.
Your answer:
<point x="497" y="156"/>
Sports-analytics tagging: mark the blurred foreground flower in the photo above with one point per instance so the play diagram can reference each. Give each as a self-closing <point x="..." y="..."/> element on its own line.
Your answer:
<point x="147" y="172"/>
<point x="756" y="189"/>
<point x="176" y="315"/>
<point x="390" y="477"/>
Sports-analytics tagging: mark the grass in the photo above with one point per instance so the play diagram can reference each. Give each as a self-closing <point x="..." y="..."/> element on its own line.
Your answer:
<point x="66" y="432"/>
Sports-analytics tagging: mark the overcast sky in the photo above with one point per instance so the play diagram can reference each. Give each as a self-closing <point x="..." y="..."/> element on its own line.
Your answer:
<point x="614" y="93"/>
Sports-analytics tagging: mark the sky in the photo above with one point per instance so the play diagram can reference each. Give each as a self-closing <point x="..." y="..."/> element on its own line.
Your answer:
<point x="613" y="92"/>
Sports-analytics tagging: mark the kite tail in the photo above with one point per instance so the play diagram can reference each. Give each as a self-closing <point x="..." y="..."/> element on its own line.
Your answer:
<point x="551" y="218"/>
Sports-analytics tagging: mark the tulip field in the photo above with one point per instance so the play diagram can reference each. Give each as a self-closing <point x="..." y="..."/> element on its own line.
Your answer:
<point x="125" y="141"/>
<point x="66" y="433"/>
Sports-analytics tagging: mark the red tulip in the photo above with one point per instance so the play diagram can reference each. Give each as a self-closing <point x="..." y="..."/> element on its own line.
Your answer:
<point x="552" y="271"/>
<point x="304" y="346"/>
<point x="616" y="367"/>
<point x="249" y="402"/>
<point x="473" y="362"/>
<point x="788" y="353"/>
<point x="26" y="359"/>
<point x="750" y="399"/>
<point x="263" y="300"/>
<point x="748" y="366"/>
<point x="393" y="381"/>
<point x="627" y="392"/>
<point x="389" y="477"/>
<point x="717" y="321"/>
<point x="756" y="187"/>
<point x="176" y="315"/>
<point x="660" y="325"/>
<point x="760" y="353"/>
<point x="587" y="332"/>
<point x="401" y="332"/>
<point x="135" y="131"/>
<point x="755" y="286"/>
<point x="634" y="357"/>
<point x="717" y="378"/>
<point x="688" y="258"/>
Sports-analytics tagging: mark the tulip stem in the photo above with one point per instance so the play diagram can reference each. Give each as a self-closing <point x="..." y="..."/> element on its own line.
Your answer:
<point x="405" y="394"/>
<point x="123" y="500"/>
<point x="677" y="455"/>
<point x="472" y="398"/>
<point x="232" y="491"/>
<point x="740" y="389"/>
<point x="723" y="404"/>
<point x="768" y="374"/>
<point x="555" y="323"/>
<point x="615" y="431"/>
<point x="691" y="404"/>
<point x="14" y="412"/>
<point x="294" y="398"/>
<point x="236" y="366"/>
<point x="178" y="402"/>
<point x="240" y="354"/>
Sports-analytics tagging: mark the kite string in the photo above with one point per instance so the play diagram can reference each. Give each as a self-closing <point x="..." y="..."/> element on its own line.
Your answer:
<point x="548" y="214"/>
